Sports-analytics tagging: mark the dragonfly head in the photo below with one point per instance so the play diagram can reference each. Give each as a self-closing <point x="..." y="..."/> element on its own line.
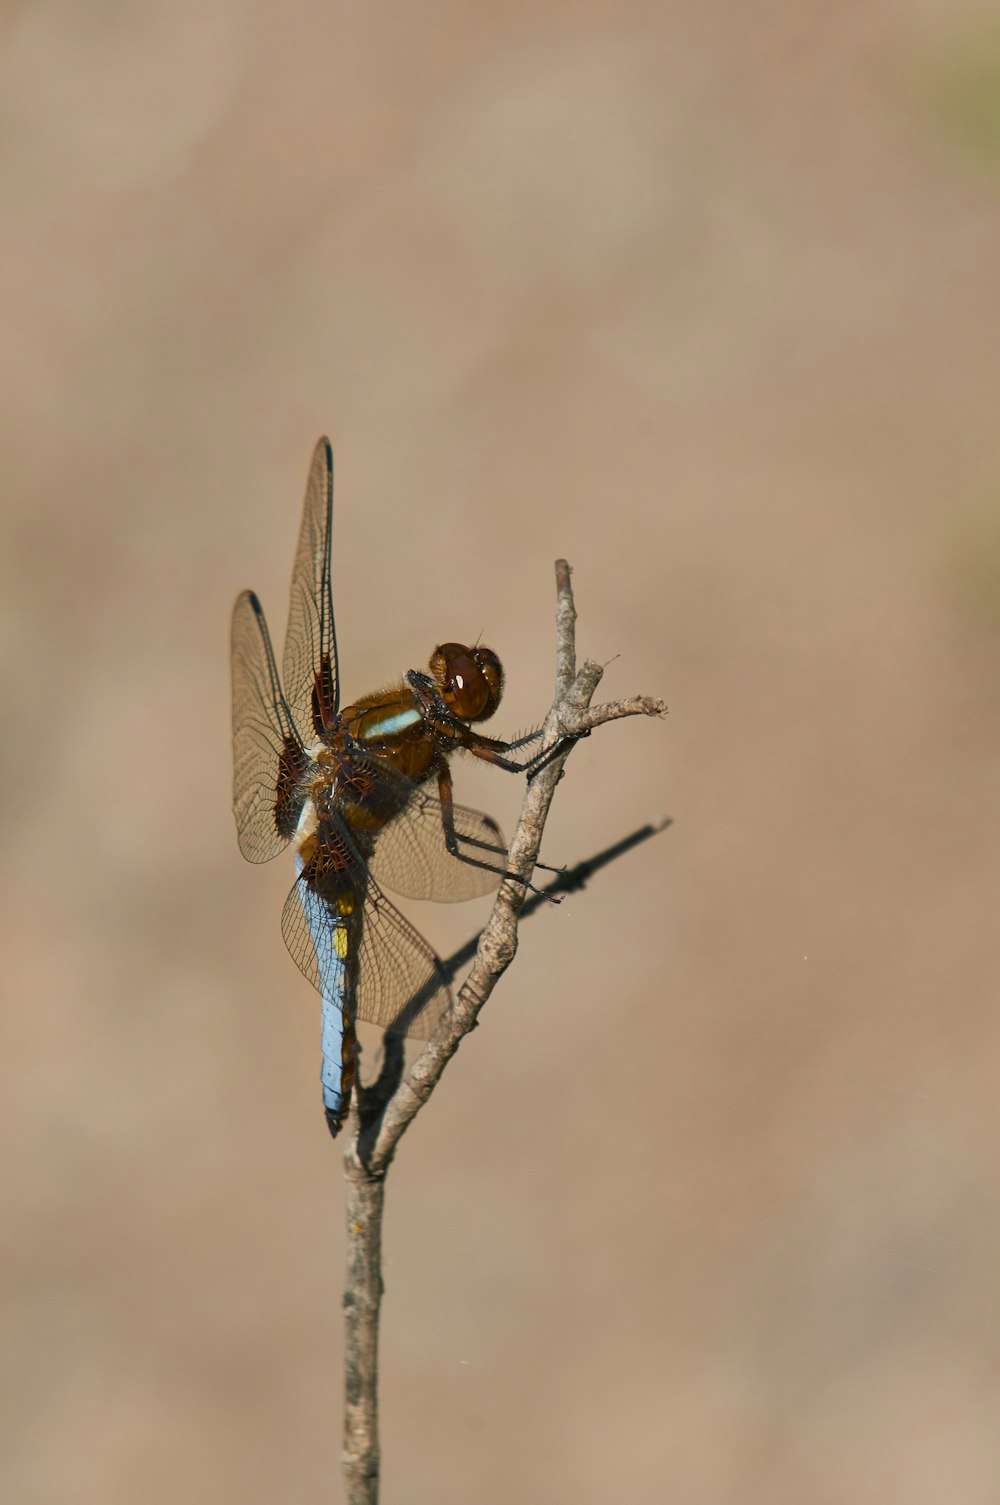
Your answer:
<point x="470" y="679"/>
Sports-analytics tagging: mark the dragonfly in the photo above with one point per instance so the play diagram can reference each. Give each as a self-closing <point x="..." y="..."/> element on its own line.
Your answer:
<point x="363" y="796"/>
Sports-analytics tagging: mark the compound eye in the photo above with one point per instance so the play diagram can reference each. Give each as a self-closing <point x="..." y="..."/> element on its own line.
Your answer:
<point x="492" y="671"/>
<point x="470" y="680"/>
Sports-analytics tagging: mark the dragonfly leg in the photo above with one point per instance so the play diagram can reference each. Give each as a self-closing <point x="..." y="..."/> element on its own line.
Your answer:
<point x="453" y="838"/>
<point x="524" y="741"/>
<point x="494" y="752"/>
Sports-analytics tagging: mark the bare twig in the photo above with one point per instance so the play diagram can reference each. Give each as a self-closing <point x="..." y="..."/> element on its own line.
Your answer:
<point x="379" y="1120"/>
<point x="362" y="1297"/>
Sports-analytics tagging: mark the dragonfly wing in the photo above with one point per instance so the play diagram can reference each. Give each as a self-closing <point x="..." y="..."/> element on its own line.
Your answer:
<point x="403" y="984"/>
<point x="310" y="658"/>
<point x="268" y="759"/>
<point x="413" y="859"/>
<point x="390" y="976"/>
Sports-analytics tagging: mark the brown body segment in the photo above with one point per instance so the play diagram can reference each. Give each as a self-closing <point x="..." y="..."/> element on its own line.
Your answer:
<point x="411" y="750"/>
<point x="383" y="746"/>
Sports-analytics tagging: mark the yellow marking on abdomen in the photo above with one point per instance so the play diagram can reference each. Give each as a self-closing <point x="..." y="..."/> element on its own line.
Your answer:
<point x="341" y="938"/>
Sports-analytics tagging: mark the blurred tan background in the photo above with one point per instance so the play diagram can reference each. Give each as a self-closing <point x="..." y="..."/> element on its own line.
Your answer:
<point x="705" y="297"/>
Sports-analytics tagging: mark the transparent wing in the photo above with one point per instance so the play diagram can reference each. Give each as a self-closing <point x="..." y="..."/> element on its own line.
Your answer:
<point x="402" y="983"/>
<point x="267" y="754"/>
<point x="310" y="659"/>
<point x="412" y="856"/>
